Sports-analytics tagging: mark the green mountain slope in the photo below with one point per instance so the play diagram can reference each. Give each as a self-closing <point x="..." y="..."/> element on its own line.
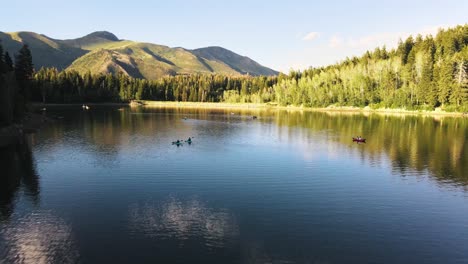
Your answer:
<point x="239" y="63"/>
<point x="103" y="52"/>
<point x="46" y="52"/>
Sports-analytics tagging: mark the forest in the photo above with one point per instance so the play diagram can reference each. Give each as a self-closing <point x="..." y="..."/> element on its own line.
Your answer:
<point x="52" y="86"/>
<point x="16" y="81"/>
<point x="421" y="73"/>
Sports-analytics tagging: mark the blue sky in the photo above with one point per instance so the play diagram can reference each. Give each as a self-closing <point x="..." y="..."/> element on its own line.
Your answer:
<point x="278" y="34"/>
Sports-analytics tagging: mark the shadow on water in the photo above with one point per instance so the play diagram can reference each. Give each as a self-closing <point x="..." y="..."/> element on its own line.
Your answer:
<point x="18" y="175"/>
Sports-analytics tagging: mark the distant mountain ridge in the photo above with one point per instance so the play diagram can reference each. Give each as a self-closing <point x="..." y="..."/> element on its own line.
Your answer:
<point x="233" y="60"/>
<point x="47" y="52"/>
<point x="103" y="52"/>
<point x="91" y="39"/>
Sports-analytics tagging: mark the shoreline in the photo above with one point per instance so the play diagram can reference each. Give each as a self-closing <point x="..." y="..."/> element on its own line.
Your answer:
<point x="269" y="106"/>
<point x="40" y="105"/>
<point x="34" y="121"/>
<point x="332" y="109"/>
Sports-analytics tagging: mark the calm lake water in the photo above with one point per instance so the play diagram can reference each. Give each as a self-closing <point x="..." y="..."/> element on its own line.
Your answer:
<point x="107" y="186"/>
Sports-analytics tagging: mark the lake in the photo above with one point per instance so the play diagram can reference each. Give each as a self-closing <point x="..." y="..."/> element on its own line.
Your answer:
<point x="108" y="186"/>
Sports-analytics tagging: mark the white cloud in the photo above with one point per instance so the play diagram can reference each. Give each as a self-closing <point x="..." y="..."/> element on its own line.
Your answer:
<point x="295" y="65"/>
<point x="311" y="36"/>
<point x="433" y="30"/>
<point x="375" y="40"/>
<point x="389" y="39"/>
<point x="337" y="46"/>
<point x="336" y="41"/>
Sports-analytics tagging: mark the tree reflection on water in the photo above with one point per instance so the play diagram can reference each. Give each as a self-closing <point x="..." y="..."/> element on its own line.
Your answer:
<point x="18" y="175"/>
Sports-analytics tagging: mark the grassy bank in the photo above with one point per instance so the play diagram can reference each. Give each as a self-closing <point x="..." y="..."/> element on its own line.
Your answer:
<point x="343" y="109"/>
<point x="204" y="105"/>
<point x="209" y="105"/>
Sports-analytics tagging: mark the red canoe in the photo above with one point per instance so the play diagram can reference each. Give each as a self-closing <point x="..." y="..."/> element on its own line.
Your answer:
<point x="359" y="140"/>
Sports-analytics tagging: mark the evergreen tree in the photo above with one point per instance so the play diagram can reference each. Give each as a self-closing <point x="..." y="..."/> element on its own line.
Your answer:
<point x="3" y="67"/>
<point x="445" y="80"/>
<point x="24" y="70"/>
<point x="24" y="67"/>
<point x="8" y="62"/>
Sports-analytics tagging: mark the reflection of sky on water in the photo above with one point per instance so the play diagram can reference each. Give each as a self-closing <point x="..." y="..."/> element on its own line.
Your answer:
<point x="37" y="238"/>
<point x="183" y="220"/>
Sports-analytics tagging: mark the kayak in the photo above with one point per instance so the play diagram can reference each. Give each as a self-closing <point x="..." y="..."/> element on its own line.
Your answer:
<point x="363" y="140"/>
<point x="180" y="142"/>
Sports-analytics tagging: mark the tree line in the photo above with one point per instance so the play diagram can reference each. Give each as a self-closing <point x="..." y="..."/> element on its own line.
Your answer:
<point x="421" y="73"/>
<point x="53" y="86"/>
<point x="15" y="84"/>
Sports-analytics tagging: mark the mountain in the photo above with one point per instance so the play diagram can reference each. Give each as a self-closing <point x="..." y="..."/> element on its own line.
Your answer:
<point x="47" y="52"/>
<point x="145" y="60"/>
<point x="103" y="52"/>
<point x="239" y="63"/>
<point x="91" y="40"/>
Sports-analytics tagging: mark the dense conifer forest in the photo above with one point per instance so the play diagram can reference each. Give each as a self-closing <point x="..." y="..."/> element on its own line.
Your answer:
<point x="15" y="85"/>
<point x="421" y="73"/>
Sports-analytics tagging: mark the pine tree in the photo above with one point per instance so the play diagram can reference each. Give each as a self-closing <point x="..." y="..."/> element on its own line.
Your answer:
<point x="24" y="67"/>
<point x="24" y="70"/>
<point x="445" y="81"/>
<point x="404" y="49"/>
<point x="3" y="67"/>
<point x="8" y="62"/>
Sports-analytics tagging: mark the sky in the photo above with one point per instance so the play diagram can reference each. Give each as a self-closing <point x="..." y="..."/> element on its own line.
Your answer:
<point x="282" y="35"/>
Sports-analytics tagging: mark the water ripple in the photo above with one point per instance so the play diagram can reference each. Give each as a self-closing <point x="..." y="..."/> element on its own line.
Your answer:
<point x="183" y="220"/>
<point x="38" y="238"/>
